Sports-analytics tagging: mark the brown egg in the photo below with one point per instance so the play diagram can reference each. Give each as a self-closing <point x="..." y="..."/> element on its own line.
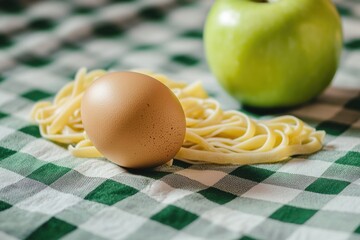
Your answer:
<point x="133" y="119"/>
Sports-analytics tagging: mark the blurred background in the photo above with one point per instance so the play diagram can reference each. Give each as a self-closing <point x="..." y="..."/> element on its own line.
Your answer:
<point x="45" y="42"/>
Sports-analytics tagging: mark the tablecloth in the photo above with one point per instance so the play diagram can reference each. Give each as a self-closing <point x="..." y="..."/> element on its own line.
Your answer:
<point x="45" y="193"/>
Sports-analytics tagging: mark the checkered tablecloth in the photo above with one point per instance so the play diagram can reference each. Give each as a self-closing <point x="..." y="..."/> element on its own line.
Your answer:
<point x="45" y="193"/>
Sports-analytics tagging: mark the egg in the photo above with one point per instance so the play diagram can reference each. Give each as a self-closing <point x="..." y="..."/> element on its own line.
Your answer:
<point x="133" y="119"/>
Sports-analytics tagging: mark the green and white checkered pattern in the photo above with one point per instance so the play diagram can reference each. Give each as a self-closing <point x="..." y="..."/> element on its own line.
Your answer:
<point x="45" y="193"/>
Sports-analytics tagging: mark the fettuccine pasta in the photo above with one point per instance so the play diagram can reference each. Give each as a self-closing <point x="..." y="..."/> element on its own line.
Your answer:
<point x="212" y="134"/>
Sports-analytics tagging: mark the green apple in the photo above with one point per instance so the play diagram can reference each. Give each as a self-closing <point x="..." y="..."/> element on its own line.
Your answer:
<point x="271" y="54"/>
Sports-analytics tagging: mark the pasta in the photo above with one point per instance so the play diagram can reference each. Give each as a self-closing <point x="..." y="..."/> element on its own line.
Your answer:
<point x="212" y="134"/>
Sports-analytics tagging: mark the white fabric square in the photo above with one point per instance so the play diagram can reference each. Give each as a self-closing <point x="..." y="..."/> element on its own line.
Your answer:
<point x="206" y="177"/>
<point x="103" y="48"/>
<point x="314" y="168"/>
<point x="46" y="151"/>
<point x="6" y="97"/>
<point x="182" y="46"/>
<point x="41" y="43"/>
<point x="54" y="10"/>
<point x="6" y="60"/>
<point x="343" y="143"/>
<point x="357" y="182"/>
<point x="180" y="17"/>
<point x="353" y="59"/>
<point x="4" y="132"/>
<point x="345" y="80"/>
<point x="164" y="193"/>
<point x="8" y="177"/>
<point x="350" y="27"/>
<point x="11" y="23"/>
<point x="272" y="193"/>
<point x="90" y="3"/>
<point x="24" y="111"/>
<point x="5" y="236"/>
<point x="150" y="33"/>
<point x="344" y="204"/>
<point x="305" y="233"/>
<point x="37" y="78"/>
<point x="49" y="201"/>
<point x="75" y="28"/>
<point x="148" y="59"/>
<point x="99" y="168"/>
<point x="76" y="60"/>
<point x="118" y="13"/>
<point x="182" y="236"/>
<point x="235" y="221"/>
<point x="112" y="223"/>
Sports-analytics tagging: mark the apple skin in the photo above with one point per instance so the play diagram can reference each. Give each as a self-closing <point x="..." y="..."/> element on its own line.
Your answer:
<point x="273" y="54"/>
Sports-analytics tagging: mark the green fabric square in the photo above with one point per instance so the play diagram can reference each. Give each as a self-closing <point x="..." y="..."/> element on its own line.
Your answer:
<point x="73" y="46"/>
<point x="357" y="230"/>
<point x="185" y="59"/>
<point x="247" y="238"/>
<point x="143" y="47"/>
<point x="12" y="6"/>
<point x="293" y="214"/>
<point x="193" y="34"/>
<point x="41" y="24"/>
<point x="32" y="130"/>
<point x="3" y="115"/>
<point x="34" y="61"/>
<point x="52" y="229"/>
<point x="5" y="152"/>
<point x="4" y="206"/>
<point x="175" y="217"/>
<point x="36" y="95"/>
<point x="83" y="10"/>
<point x="5" y="41"/>
<point x="252" y="173"/>
<point x="181" y="164"/>
<point x="110" y="192"/>
<point x="106" y="29"/>
<point x="327" y="186"/>
<point x="48" y="173"/>
<point x="351" y="158"/>
<point x="152" y="13"/>
<point x="122" y="1"/>
<point x="343" y="10"/>
<point x="149" y="173"/>
<point x="352" y="44"/>
<point x="333" y="128"/>
<point x="354" y="104"/>
<point x="216" y="195"/>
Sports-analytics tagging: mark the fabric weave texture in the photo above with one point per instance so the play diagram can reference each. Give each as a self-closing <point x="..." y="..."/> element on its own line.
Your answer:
<point x="45" y="193"/>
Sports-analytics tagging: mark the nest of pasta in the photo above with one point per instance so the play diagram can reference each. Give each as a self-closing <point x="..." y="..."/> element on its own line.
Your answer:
<point x="212" y="134"/>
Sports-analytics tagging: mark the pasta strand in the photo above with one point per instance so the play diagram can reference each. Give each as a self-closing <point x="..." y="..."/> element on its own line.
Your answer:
<point x="212" y="134"/>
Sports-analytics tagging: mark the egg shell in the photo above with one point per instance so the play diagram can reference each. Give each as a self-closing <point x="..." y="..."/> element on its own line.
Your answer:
<point x="133" y="119"/>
